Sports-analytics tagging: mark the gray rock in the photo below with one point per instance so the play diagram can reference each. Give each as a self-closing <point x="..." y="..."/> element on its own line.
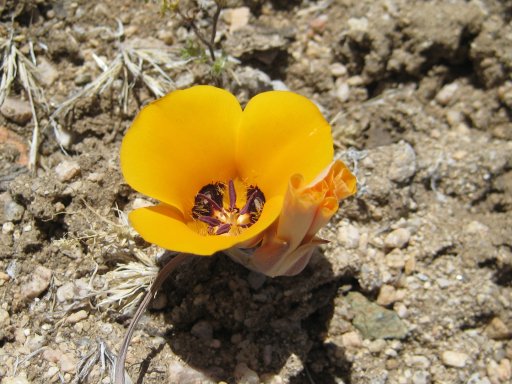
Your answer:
<point x="12" y="211"/>
<point x="403" y="162"/>
<point x="374" y="321"/>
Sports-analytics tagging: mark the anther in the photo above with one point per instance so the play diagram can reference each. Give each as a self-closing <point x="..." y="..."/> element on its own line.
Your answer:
<point x="211" y="221"/>
<point x="232" y="195"/>
<point x="212" y="202"/>
<point x="223" y="228"/>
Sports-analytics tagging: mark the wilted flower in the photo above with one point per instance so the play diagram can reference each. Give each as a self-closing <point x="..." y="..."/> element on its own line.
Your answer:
<point x="257" y="183"/>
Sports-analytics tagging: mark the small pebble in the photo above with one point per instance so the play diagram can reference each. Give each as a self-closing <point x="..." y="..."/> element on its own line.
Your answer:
<point x="338" y="69"/>
<point x="203" y="330"/>
<point x="21" y="379"/>
<point x="237" y="18"/>
<point x="47" y="72"/>
<point x="83" y="79"/>
<point x="349" y="236"/>
<point x="319" y="23"/>
<point x="421" y="377"/>
<point x="245" y="375"/>
<point x="397" y="238"/>
<point x="66" y="170"/>
<point x="395" y="259"/>
<point x="377" y="346"/>
<point x="67" y="362"/>
<point x="446" y="95"/>
<point x="352" y="340"/>
<point x="387" y="295"/>
<point x="77" y="316"/>
<point x="7" y="228"/>
<point x="52" y="371"/>
<point x="166" y="36"/>
<point x="12" y="211"/>
<point x="35" y="342"/>
<point x="16" y="110"/>
<point x="343" y="92"/>
<point x="454" y="359"/>
<point x="41" y="278"/>
<point x="418" y="361"/>
<point x="256" y="280"/>
<point x="5" y="319"/>
<point x="497" y="329"/>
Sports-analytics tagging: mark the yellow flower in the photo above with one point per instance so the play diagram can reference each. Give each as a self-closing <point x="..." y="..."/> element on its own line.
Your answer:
<point x="257" y="183"/>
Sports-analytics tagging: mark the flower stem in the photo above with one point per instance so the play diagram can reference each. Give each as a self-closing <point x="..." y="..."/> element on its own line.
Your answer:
<point x="119" y="371"/>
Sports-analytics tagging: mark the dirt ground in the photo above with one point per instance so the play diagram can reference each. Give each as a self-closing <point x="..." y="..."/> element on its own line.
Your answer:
<point x="415" y="285"/>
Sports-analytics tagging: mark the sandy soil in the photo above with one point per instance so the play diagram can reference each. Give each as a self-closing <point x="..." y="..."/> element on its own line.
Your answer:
<point x="415" y="285"/>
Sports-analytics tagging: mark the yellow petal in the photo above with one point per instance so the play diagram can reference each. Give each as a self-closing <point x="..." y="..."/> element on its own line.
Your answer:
<point x="282" y="134"/>
<point x="164" y="225"/>
<point x="180" y="143"/>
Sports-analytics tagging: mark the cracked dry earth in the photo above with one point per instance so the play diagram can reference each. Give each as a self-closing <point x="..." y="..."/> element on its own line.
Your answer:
<point x="415" y="284"/>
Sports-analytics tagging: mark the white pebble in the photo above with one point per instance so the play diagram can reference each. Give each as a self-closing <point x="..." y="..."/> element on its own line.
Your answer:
<point x="397" y="238"/>
<point x="387" y="295"/>
<point x="7" y="228"/>
<point x="343" y="92"/>
<point x="66" y="292"/>
<point x="66" y="170"/>
<point x="40" y="281"/>
<point x="454" y="359"/>
<point x="351" y="340"/>
<point x="338" y="69"/>
<point x="447" y="93"/>
<point x="349" y="236"/>
<point x="5" y="319"/>
<point x="22" y="379"/>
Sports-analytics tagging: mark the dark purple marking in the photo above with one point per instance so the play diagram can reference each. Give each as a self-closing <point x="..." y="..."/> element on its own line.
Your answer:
<point x="211" y="193"/>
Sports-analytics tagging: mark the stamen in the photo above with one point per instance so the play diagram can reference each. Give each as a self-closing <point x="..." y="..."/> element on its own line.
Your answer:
<point x="212" y="202"/>
<point x="232" y="195"/>
<point x="211" y="221"/>
<point x="215" y="205"/>
<point x="247" y="205"/>
<point x="223" y="228"/>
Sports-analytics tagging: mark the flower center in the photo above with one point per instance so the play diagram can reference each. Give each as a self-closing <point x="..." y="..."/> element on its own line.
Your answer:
<point x="226" y="211"/>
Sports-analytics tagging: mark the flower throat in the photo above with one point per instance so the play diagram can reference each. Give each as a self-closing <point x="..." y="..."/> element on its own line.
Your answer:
<point x="225" y="211"/>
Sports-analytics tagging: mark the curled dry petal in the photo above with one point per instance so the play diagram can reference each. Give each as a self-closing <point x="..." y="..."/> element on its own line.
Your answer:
<point x="288" y="244"/>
